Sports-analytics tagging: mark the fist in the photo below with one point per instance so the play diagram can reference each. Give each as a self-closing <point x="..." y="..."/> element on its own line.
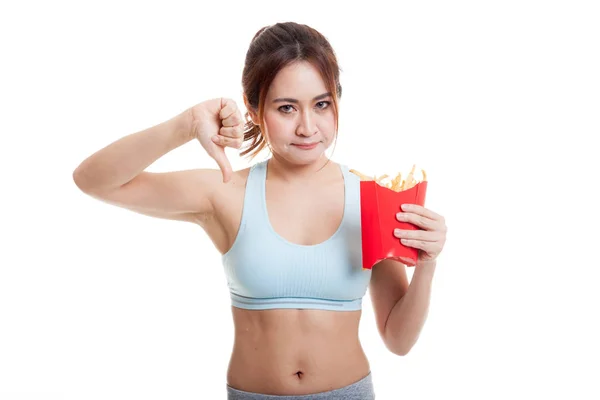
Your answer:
<point x="218" y="123"/>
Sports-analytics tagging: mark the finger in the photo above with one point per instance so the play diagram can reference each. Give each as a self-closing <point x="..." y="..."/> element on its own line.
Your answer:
<point x="418" y="209"/>
<point x="418" y="220"/>
<point x="428" y="247"/>
<point x="227" y="108"/>
<point x="229" y="114"/>
<point x="425" y="236"/>
<point x="233" y="120"/>
<point x="218" y="154"/>
<point x="227" y="141"/>
<point x="232" y="131"/>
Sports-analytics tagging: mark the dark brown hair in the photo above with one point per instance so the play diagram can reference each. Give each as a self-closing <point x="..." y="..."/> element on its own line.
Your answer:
<point x="273" y="48"/>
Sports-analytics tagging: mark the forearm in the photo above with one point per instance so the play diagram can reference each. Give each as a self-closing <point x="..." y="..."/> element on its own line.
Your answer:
<point x="408" y="316"/>
<point x="124" y="159"/>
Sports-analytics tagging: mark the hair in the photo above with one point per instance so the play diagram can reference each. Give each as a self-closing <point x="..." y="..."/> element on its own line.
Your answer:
<point x="273" y="48"/>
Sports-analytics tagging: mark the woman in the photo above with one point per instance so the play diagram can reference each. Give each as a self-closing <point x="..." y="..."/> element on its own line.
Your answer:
<point x="288" y="227"/>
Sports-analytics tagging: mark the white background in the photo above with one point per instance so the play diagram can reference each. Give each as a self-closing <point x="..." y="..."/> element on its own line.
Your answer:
<point x="498" y="101"/>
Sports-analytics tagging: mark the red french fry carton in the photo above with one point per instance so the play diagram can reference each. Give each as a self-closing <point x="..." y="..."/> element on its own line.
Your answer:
<point x="379" y="206"/>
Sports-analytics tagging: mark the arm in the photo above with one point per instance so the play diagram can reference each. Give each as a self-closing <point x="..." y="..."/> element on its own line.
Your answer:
<point x="115" y="174"/>
<point x="124" y="159"/>
<point x="408" y="316"/>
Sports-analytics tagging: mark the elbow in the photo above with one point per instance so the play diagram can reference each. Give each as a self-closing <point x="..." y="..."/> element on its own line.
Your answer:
<point x="82" y="182"/>
<point x="403" y="353"/>
<point x="397" y="348"/>
<point x="78" y="180"/>
<point x="400" y="352"/>
<point x="399" y="345"/>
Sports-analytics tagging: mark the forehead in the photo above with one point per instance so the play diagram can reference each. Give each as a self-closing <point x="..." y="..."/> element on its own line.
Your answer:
<point x="300" y="80"/>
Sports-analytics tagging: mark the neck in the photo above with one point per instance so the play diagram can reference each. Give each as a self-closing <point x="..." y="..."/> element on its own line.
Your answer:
<point x="282" y="170"/>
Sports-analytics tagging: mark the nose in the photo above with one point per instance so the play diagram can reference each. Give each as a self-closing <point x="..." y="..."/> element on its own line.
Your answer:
<point x="307" y="126"/>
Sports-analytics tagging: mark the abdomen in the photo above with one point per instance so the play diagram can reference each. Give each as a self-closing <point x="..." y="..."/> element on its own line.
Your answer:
<point x="295" y="352"/>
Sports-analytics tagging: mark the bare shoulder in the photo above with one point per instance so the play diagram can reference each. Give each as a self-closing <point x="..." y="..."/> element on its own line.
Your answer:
<point x="226" y="192"/>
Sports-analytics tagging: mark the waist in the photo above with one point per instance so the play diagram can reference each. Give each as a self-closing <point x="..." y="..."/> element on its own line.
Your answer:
<point x="295" y="352"/>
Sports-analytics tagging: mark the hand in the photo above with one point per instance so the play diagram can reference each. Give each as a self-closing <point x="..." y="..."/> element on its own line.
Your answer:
<point x="218" y="123"/>
<point x="430" y="239"/>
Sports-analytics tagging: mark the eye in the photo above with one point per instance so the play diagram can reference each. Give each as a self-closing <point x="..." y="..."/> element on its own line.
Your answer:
<point x="325" y="104"/>
<point x="285" y="112"/>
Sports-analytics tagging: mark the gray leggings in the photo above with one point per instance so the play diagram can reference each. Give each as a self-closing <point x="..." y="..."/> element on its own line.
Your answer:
<point x="361" y="390"/>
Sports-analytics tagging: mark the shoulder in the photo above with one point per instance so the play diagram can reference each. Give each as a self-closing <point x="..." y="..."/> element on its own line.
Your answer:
<point x="238" y="178"/>
<point x="236" y="185"/>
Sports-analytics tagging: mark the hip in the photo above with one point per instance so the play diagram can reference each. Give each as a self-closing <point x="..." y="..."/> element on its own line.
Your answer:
<point x="361" y="389"/>
<point x="311" y="370"/>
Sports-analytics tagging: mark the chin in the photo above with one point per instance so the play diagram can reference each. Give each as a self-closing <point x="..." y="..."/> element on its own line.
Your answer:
<point x="294" y="155"/>
<point x="299" y="159"/>
<point x="308" y="158"/>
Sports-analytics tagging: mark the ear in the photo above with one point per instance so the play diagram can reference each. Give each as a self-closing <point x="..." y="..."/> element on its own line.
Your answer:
<point x="253" y="115"/>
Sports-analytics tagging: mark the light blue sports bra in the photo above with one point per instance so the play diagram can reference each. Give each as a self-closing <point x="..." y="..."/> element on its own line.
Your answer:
<point x="265" y="271"/>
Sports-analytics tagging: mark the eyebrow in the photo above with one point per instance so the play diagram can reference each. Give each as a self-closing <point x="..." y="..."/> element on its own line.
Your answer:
<point x="290" y="100"/>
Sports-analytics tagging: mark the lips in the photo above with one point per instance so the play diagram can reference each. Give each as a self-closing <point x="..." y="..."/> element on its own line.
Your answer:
<point x="306" y="145"/>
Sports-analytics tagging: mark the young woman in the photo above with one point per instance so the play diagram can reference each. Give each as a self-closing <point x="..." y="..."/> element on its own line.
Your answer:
<point x="288" y="227"/>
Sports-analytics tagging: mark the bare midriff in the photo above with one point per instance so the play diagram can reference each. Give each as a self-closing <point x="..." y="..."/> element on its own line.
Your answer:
<point x="295" y="352"/>
<point x="290" y="351"/>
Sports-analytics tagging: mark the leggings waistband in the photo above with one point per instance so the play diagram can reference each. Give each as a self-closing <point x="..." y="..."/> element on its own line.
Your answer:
<point x="360" y="390"/>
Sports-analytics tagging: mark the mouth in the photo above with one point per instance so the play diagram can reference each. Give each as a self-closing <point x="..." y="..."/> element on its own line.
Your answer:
<point x="305" y="146"/>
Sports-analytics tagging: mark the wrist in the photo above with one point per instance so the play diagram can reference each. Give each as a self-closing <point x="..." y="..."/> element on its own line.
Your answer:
<point x="431" y="263"/>
<point x="182" y="126"/>
<point x="426" y="267"/>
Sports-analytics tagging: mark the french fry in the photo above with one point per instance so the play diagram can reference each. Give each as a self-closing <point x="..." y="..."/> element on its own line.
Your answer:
<point x="397" y="184"/>
<point x="381" y="198"/>
<point x="410" y="178"/>
<point x="362" y="177"/>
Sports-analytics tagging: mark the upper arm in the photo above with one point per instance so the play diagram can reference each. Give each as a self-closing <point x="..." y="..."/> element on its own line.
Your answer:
<point x="388" y="284"/>
<point x="179" y="195"/>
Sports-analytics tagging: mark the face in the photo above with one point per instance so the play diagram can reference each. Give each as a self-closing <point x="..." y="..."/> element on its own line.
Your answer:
<point x="298" y="112"/>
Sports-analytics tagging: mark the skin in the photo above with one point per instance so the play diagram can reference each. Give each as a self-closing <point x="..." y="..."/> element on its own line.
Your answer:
<point x="292" y="351"/>
<point x="289" y="351"/>
<point x="304" y="351"/>
<point x="281" y="351"/>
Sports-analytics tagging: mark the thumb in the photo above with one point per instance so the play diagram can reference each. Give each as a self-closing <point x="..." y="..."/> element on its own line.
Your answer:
<point x="220" y="157"/>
